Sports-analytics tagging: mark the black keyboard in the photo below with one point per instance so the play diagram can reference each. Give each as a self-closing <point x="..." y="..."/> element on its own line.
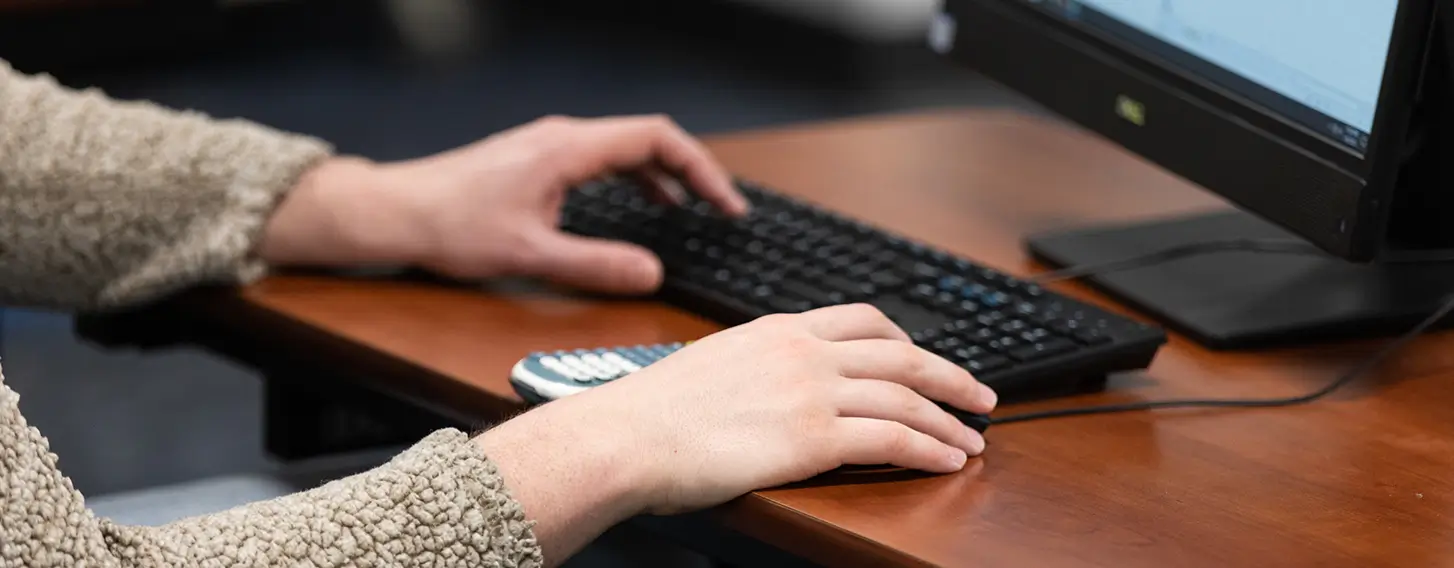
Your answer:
<point x="790" y="256"/>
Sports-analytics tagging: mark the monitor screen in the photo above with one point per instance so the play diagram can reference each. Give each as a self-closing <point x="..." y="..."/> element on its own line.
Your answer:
<point x="1316" y="63"/>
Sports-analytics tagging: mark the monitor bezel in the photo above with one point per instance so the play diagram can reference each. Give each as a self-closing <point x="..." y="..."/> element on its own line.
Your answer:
<point x="1265" y="164"/>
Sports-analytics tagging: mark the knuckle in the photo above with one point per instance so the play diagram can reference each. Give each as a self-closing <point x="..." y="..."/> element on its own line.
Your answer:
<point x="909" y="401"/>
<point x="776" y="320"/>
<point x="522" y="254"/>
<point x="897" y="440"/>
<point x="554" y="122"/>
<point x="799" y="344"/>
<point x="868" y="310"/>
<point x="662" y="122"/>
<point x="910" y="359"/>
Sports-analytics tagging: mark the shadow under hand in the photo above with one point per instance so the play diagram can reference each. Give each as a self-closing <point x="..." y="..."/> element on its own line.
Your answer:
<point x="876" y="474"/>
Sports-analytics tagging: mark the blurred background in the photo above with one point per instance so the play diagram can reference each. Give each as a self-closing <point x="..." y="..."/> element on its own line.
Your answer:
<point x="397" y="79"/>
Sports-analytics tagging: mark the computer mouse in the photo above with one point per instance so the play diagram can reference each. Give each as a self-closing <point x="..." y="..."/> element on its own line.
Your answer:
<point x="979" y="422"/>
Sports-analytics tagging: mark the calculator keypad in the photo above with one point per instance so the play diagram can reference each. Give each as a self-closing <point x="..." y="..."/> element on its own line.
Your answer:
<point x="595" y="366"/>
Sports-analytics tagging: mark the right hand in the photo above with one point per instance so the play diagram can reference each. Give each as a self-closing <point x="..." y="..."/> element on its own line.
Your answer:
<point x="779" y="400"/>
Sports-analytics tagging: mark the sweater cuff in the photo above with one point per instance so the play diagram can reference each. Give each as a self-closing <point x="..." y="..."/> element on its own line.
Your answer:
<point x="510" y="535"/>
<point x="260" y="167"/>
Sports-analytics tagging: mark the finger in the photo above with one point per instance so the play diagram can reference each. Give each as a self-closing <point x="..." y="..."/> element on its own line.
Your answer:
<point x="926" y="373"/>
<point x="663" y="187"/>
<point x="593" y="264"/>
<point x="608" y="144"/>
<point x="884" y="400"/>
<point x="847" y="322"/>
<point x="866" y="441"/>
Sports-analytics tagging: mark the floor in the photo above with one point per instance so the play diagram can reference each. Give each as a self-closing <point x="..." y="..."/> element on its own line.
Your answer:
<point x="394" y="80"/>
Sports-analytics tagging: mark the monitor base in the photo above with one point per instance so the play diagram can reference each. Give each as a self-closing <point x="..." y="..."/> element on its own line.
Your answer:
<point x="1241" y="300"/>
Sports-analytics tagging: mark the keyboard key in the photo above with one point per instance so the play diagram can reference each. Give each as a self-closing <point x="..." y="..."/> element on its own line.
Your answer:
<point x="1092" y="337"/>
<point x="921" y="270"/>
<point x="988" y="364"/>
<point x="1002" y="344"/>
<point x="886" y="280"/>
<point x="948" y="345"/>
<point x="966" y="354"/>
<point x="1013" y="326"/>
<point x="1035" y="335"/>
<point x="958" y="327"/>
<point x="909" y="316"/>
<point x="787" y="305"/>
<point x="983" y="335"/>
<point x="849" y="288"/>
<point x="967" y="308"/>
<point x="817" y="296"/>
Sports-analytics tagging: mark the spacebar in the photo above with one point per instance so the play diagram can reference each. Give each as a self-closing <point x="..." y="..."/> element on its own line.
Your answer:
<point x="908" y="316"/>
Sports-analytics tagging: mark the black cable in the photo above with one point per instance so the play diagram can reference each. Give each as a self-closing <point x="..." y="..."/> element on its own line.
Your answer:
<point x="1342" y="380"/>
<point x="1266" y="246"/>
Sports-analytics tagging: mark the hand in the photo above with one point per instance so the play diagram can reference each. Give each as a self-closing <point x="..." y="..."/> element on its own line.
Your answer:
<point x="778" y="400"/>
<point x="492" y="208"/>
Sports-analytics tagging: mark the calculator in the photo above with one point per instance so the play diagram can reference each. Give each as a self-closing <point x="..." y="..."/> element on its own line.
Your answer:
<point x="545" y="376"/>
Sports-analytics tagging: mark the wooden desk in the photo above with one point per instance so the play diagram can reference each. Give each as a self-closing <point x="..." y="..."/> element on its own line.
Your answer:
<point x="1362" y="479"/>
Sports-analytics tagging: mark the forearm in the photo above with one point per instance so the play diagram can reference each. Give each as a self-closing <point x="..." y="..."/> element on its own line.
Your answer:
<point x="440" y="504"/>
<point x="107" y="203"/>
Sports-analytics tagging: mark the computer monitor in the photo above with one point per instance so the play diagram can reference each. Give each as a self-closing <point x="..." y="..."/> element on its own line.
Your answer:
<point x="1324" y="121"/>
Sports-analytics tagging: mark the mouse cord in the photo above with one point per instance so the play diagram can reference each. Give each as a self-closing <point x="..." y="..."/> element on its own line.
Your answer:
<point x="1358" y="371"/>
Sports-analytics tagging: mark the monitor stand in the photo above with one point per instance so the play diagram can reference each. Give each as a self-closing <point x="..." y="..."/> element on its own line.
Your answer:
<point x="1238" y="300"/>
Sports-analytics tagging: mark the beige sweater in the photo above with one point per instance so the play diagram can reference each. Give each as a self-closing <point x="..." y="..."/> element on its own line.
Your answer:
<point x="104" y="203"/>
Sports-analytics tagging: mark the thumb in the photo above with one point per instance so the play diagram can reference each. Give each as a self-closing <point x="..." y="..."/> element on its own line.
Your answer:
<point x="596" y="264"/>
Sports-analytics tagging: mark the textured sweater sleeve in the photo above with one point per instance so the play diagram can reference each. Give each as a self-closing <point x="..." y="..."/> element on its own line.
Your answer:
<point x="105" y="202"/>
<point x="440" y="504"/>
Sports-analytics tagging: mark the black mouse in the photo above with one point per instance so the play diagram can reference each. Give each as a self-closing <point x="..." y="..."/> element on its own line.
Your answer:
<point x="979" y="422"/>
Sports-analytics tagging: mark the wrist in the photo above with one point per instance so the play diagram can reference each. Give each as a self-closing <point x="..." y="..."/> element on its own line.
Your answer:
<point x="345" y="211"/>
<point x="573" y="482"/>
<point x="605" y="470"/>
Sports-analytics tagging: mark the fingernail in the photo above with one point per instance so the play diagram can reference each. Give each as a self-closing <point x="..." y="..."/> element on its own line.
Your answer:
<point x="674" y="190"/>
<point x="743" y="205"/>
<point x="989" y="395"/>
<point x="957" y="459"/>
<point x="976" y="441"/>
<point x="649" y="269"/>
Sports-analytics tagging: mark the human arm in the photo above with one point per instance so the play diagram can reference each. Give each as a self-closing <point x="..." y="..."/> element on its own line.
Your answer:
<point x="775" y="401"/>
<point x="440" y="503"/>
<point x="111" y="203"/>
<point x="107" y="203"/>
<point x="484" y="210"/>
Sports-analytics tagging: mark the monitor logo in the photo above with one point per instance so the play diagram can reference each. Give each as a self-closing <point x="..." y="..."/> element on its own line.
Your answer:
<point x="1131" y="109"/>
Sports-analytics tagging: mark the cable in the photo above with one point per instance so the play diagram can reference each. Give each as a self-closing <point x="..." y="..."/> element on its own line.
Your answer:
<point x="1267" y="246"/>
<point x="1341" y="381"/>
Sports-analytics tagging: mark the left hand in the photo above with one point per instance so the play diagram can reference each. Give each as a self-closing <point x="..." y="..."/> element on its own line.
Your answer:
<point x="492" y="208"/>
